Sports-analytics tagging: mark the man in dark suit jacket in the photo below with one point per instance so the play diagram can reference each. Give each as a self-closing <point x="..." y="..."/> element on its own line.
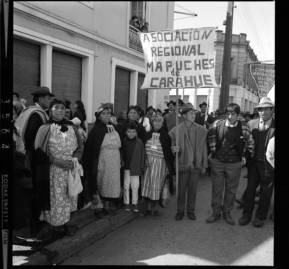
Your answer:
<point x="202" y="117"/>
<point x="259" y="169"/>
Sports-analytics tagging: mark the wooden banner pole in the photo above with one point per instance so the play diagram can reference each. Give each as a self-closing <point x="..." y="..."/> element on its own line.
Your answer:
<point x="177" y="144"/>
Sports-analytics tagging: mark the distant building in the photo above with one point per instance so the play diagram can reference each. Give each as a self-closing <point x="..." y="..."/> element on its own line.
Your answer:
<point x="242" y="90"/>
<point x="85" y="50"/>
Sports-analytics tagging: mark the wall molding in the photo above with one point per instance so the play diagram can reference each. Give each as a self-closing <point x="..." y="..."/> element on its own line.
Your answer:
<point x="55" y="42"/>
<point x="47" y="44"/>
<point x="33" y="11"/>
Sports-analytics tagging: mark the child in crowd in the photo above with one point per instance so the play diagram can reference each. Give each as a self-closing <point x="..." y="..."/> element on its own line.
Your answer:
<point x="133" y="156"/>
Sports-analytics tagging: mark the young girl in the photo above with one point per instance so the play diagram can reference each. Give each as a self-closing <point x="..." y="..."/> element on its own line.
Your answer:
<point x="159" y="163"/>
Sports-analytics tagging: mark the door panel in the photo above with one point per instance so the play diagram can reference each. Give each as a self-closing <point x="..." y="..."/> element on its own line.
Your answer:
<point x="122" y="89"/>
<point x="66" y="76"/>
<point x="26" y="68"/>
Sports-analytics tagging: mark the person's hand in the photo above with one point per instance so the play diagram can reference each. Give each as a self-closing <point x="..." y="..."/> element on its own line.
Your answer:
<point x="64" y="164"/>
<point x="68" y="164"/>
<point x="243" y="161"/>
<point x="212" y="155"/>
<point x="175" y="149"/>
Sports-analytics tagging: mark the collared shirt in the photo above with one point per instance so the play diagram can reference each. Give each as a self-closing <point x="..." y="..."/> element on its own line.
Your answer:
<point x="264" y="125"/>
<point x="247" y="135"/>
<point x="228" y="124"/>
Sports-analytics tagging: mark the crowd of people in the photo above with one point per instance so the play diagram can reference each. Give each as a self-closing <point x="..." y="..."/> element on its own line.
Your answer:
<point x="130" y="157"/>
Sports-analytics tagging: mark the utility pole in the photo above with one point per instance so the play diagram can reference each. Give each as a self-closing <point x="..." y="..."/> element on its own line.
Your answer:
<point x="226" y="70"/>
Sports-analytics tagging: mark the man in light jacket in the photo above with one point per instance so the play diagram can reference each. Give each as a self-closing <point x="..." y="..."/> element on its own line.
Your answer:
<point x="193" y="161"/>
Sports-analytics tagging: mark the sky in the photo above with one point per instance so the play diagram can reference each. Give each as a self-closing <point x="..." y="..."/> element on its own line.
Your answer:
<point x="254" y="18"/>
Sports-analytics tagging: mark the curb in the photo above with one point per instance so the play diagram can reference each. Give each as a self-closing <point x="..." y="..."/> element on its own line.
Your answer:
<point x="89" y="231"/>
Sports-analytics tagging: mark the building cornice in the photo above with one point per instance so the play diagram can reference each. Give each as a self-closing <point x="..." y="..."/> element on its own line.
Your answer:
<point x="68" y="26"/>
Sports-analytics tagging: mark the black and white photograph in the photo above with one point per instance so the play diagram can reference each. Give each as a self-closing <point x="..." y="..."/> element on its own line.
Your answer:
<point x="141" y="133"/>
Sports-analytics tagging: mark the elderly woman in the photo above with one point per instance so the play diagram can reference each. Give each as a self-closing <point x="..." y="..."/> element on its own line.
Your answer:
<point x="159" y="164"/>
<point x="58" y="149"/>
<point x="101" y="161"/>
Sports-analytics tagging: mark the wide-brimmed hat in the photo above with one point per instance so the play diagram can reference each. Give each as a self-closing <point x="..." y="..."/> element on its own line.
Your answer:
<point x="265" y="102"/>
<point x="108" y="106"/>
<point x="187" y="107"/>
<point x="42" y="91"/>
<point x="203" y="104"/>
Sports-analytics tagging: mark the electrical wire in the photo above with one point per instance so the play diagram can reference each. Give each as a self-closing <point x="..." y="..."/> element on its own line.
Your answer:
<point x="183" y="18"/>
<point x="184" y="8"/>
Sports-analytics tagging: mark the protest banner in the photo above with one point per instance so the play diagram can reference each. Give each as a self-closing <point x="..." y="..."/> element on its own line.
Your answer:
<point x="179" y="59"/>
<point x="264" y="76"/>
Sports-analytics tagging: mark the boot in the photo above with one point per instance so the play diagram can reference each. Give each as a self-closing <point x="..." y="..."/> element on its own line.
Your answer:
<point x="257" y="222"/>
<point x="245" y="219"/>
<point x="228" y="218"/>
<point x="213" y="218"/>
<point x="179" y="216"/>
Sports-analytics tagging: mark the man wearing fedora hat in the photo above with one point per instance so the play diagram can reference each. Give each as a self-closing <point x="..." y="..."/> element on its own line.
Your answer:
<point x="259" y="169"/>
<point x="202" y="116"/>
<point x="192" y="151"/>
<point x="29" y="122"/>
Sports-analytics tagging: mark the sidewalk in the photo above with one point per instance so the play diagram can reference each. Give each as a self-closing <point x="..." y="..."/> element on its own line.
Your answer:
<point x="89" y="231"/>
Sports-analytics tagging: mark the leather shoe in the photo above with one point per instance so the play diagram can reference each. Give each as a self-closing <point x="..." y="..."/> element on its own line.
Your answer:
<point x="191" y="216"/>
<point x="179" y="216"/>
<point x="213" y="218"/>
<point x="258" y="222"/>
<point x="244" y="220"/>
<point x="228" y="218"/>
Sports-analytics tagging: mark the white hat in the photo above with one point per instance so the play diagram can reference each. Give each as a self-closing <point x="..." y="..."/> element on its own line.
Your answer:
<point x="265" y="102"/>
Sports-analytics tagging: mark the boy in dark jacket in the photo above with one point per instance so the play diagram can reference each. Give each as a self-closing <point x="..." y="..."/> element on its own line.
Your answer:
<point x="133" y="155"/>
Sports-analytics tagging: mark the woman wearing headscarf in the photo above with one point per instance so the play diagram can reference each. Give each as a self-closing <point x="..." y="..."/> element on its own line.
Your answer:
<point x="58" y="150"/>
<point x="101" y="161"/>
<point x="159" y="164"/>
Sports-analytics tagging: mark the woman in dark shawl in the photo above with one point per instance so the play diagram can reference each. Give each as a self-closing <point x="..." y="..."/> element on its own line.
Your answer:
<point x="101" y="162"/>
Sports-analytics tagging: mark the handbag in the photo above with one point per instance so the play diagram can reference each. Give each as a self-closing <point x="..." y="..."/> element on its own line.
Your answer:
<point x="74" y="181"/>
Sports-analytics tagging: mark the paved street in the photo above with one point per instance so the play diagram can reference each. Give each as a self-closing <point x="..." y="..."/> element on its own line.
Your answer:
<point x="164" y="241"/>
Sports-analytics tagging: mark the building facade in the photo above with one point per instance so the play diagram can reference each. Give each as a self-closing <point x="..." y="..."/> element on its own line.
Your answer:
<point x="85" y="50"/>
<point x="240" y="92"/>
